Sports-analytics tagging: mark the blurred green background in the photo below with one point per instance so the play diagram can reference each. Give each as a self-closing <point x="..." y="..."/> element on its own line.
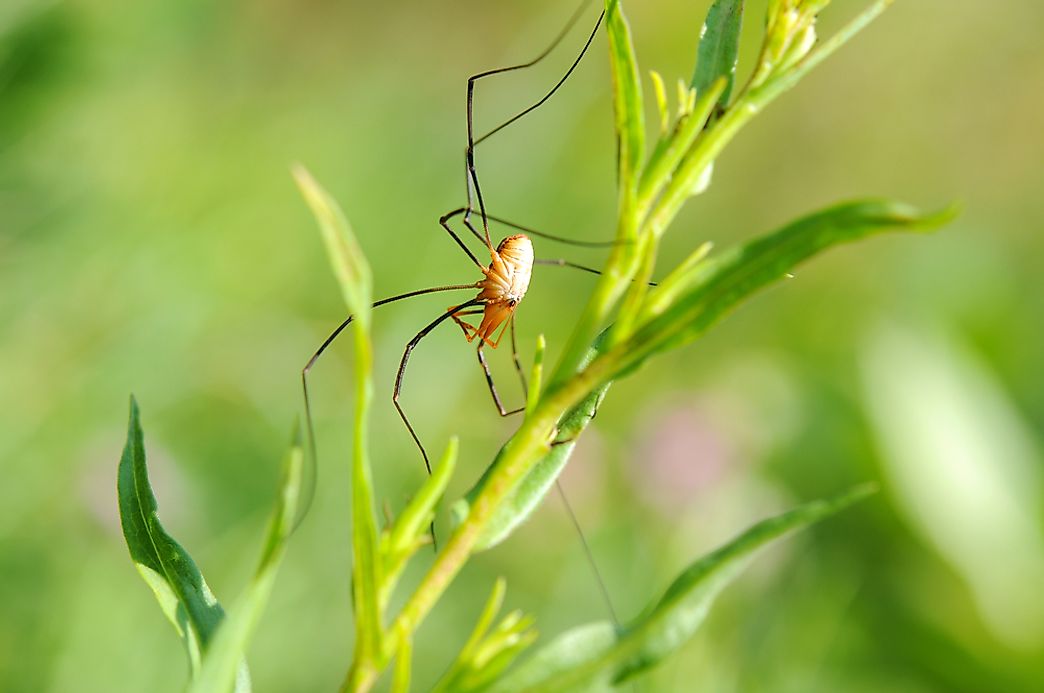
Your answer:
<point x="152" y="241"/>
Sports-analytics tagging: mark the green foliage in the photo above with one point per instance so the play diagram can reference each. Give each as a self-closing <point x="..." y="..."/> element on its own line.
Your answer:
<point x="598" y="656"/>
<point x="166" y="567"/>
<point x="624" y="323"/>
<point x="630" y="140"/>
<point x="627" y="99"/>
<point x="409" y="533"/>
<point x="490" y="648"/>
<point x="346" y="257"/>
<point x="216" y="643"/>
<point x="697" y="294"/>
<point x="718" y="50"/>
<point x="353" y="275"/>
<point x="223" y="667"/>
<point x="700" y="293"/>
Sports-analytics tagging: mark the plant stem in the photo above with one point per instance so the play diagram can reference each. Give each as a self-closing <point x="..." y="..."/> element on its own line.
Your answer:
<point x="517" y="458"/>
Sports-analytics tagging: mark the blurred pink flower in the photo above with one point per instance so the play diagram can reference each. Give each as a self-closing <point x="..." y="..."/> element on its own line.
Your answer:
<point x="681" y="453"/>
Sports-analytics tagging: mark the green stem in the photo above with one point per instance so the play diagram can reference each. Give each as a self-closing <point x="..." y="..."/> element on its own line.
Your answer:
<point x="516" y="460"/>
<point x="365" y="575"/>
<point x="624" y="263"/>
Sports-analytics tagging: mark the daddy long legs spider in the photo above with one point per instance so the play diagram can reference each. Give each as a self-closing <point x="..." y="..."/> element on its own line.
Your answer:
<point x="486" y="317"/>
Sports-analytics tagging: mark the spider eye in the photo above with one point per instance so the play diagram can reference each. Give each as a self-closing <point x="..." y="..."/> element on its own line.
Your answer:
<point x="513" y="302"/>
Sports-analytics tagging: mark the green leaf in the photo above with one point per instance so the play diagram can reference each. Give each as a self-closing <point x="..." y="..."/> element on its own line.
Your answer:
<point x="490" y="649"/>
<point x="353" y="274"/>
<point x="524" y="499"/>
<point x="627" y="99"/>
<point x="719" y="48"/>
<point x="623" y="260"/>
<point x="536" y="376"/>
<point x="410" y="531"/>
<point x="167" y="568"/>
<point x="346" y="257"/>
<point x="223" y="661"/>
<point x="662" y="166"/>
<point x="598" y="656"/>
<point x="714" y="286"/>
<point x="694" y="168"/>
<point x="356" y="283"/>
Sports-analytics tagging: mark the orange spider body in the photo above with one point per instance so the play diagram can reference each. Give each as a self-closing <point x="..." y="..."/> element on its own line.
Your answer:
<point x="506" y="282"/>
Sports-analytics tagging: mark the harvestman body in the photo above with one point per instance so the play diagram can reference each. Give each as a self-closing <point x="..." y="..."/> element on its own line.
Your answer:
<point x="507" y="279"/>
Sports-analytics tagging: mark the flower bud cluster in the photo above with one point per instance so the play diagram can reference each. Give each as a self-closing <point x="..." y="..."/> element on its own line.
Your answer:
<point x="790" y="35"/>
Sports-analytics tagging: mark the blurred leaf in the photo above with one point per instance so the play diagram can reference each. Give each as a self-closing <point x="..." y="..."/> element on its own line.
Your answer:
<point x="486" y="654"/>
<point x="179" y="587"/>
<point x="410" y="531"/>
<point x="664" y="162"/>
<point x="525" y="498"/>
<point x="719" y="48"/>
<point x="536" y="376"/>
<point x="598" y="656"/>
<point x="224" y="660"/>
<point x="965" y="471"/>
<point x="627" y="98"/>
<point x="353" y="274"/>
<point x="346" y="257"/>
<point x="716" y="285"/>
<point x="662" y="108"/>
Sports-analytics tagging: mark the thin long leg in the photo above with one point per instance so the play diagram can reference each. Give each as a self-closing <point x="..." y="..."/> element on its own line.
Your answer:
<point x="309" y="492"/>
<point x="588" y="552"/>
<point x="397" y="390"/>
<point x="469" y="157"/>
<point x="528" y="230"/>
<point x="558" y="262"/>
<point x="558" y="85"/>
<point x="444" y="221"/>
<point x="492" y="387"/>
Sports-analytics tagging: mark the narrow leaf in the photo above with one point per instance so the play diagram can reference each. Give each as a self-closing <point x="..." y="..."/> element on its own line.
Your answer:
<point x="694" y="167"/>
<point x="662" y="108"/>
<point x="166" y="567"/>
<point x="353" y="274"/>
<point x="663" y="164"/>
<point x="598" y="656"/>
<point x="223" y="661"/>
<point x="410" y="530"/>
<point x="718" y="284"/>
<point x="490" y="649"/>
<point x="627" y="99"/>
<point x="536" y="377"/>
<point x="346" y="257"/>
<point x="525" y="498"/>
<point x="413" y="521"/>
<point x="719" y="48"/>
<point x="451" y="679"/>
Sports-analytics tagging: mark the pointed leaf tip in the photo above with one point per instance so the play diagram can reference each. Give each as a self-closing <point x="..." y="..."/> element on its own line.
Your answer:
<point x="598" y="656"/>
<point x="166" y="567"/>
<point x="346" y="256"/>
